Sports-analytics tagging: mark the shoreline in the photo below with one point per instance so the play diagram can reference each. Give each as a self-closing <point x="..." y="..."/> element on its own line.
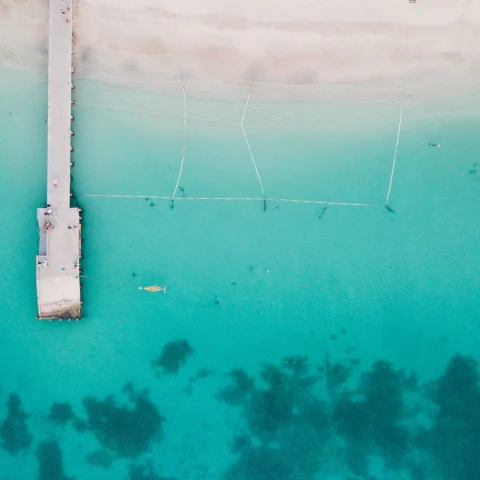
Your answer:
<point x="151" y="48"/>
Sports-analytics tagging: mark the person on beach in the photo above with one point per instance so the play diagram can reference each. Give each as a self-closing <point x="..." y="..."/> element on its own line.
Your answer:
<point x="55" y="183"/>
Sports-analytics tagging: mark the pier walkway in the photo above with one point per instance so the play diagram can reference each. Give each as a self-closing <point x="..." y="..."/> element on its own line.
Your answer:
<point x="58" y="282"/>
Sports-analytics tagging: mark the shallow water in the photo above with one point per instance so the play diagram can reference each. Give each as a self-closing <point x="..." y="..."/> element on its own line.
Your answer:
<point x="245" y="284"/>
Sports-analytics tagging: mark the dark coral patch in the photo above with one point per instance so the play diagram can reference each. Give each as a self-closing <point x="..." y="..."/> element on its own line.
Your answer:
<point x="287" y="393"/>
<point x="100" y="458"/>
<point x="241" y="385"/>
<point x="372" y="424"/>
<point x="286" y="425"/>
<point x="269" y="409"/>
<point x="296" y="455"/>
<point x="144" y="471"/>
<point x="262" y="463"/>
<point x="454" y="439"/>
<point x="173" y="357"/>
<point x="61" y="413"/>
<point x="14" y="430"/>
<point x="336" y="375"/>
<point x="50" y="461"/>
<point x="79" y="424"/>
<point x="384" y="422"/>
<point x="127" y="431"/>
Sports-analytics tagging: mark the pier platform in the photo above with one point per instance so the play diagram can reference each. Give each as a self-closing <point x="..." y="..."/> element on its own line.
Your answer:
<point x="58" y="261"/>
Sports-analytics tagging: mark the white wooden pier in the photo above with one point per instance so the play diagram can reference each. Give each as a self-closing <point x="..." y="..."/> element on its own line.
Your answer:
<point x="57" y="266"/>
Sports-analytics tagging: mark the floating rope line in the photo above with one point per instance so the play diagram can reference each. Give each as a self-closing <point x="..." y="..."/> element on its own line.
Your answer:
<point x="253" y="160"/>
<point x="248" y="143"/>
<point x="107" y="195"/>
<point x="235" y="199"/>
<point x="399" y="121"/>
<point x="264" y="198"/>
<point x="321" y="202"/>
<point x="245" y="109"/>
<point x="254" y="77"/>
<point x="248" y="199"/>
<point x="159" y="197"/>
<point x="184" y="146"/>
<point x="395" y="155"/>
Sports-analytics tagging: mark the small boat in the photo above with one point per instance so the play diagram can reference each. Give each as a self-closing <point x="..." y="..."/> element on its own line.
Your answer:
<point x="154" y="288"/>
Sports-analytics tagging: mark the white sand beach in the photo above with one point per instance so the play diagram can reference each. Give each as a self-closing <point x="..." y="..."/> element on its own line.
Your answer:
<point x="430" y="43"/>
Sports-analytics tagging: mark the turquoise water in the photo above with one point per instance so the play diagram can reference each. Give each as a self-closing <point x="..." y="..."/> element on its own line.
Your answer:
<point x="343" y="289"/>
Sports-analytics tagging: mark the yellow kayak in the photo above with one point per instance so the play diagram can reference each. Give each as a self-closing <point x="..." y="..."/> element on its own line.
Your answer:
<point x="154" y="288"/>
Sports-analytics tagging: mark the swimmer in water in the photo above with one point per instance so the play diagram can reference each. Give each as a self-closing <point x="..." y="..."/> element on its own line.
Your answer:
<point x="434" y="144"/>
